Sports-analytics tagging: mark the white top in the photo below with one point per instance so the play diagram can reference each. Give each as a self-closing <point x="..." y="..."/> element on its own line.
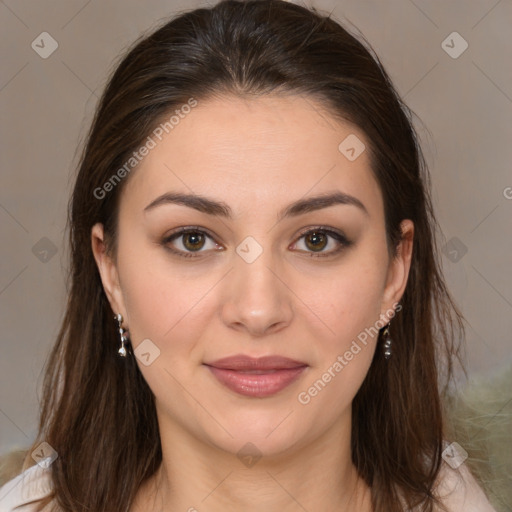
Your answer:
<point x="21" y="493"/>
<point x="458" y="487"/>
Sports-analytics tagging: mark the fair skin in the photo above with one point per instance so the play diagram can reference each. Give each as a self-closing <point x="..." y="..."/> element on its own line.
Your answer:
<point x="257" y="156"/>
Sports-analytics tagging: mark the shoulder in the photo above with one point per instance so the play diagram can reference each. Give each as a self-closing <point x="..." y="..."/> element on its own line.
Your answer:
<point x="22" y="492"/>
<point x="459" y="491"/>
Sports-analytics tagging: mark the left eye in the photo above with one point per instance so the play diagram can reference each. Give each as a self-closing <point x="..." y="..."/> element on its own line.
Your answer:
<point x="318" y="239"/>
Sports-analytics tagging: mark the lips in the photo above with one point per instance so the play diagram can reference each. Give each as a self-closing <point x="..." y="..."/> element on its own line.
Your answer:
<point x="256" y="377"/>
<point x="246" y="363"/>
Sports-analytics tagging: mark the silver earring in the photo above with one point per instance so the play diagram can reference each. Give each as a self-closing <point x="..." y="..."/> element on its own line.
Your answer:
<point x="122" y="333"/>
<point x="387" y="342"/>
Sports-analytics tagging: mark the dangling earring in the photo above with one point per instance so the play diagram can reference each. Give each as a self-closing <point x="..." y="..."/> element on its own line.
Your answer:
<point x="387" y="342"/>
<point x="122" y="333"/>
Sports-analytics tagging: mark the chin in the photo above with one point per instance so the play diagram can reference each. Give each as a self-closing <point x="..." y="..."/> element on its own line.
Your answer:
<point x="271" y="433"/>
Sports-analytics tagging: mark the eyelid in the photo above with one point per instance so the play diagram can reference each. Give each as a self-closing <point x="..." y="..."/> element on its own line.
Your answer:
<point x="336" y="234"/>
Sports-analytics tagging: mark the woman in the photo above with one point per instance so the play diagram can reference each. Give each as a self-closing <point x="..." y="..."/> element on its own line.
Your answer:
<point x="257" y="318"/>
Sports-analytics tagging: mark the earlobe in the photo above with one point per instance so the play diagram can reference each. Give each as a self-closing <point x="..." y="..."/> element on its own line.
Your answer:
<point x="107" y="269"/>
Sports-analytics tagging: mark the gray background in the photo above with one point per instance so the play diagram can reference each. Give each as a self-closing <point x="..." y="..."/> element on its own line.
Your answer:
<point x="464" y="104"/>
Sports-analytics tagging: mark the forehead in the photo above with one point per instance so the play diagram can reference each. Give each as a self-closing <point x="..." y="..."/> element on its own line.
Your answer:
<point x="270" y="149"/>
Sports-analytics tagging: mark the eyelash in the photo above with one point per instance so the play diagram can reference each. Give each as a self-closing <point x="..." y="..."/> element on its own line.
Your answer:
<point x="338" y="236"/>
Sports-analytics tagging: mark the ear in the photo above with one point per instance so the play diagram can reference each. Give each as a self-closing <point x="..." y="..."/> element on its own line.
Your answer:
<point x="108" y="271"/>
<point x="398" y="269"/>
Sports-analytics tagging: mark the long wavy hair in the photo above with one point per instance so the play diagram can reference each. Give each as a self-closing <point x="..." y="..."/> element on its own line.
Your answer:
<point x="97" y="411"/>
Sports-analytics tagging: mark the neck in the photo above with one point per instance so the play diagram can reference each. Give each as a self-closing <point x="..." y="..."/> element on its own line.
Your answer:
<point x="196" y="476"/>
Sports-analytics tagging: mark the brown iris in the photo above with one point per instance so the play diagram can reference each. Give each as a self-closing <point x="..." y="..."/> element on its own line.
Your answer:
<point x="196" y="240"/>
<point x="318" y="240"/>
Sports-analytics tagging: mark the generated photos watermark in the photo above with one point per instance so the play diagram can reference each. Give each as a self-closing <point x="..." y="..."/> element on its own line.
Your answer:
<point x="304" y="397"/>
<point x="137" y="156"/>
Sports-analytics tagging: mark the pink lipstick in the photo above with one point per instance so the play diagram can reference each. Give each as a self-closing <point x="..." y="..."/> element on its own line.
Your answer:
<point x="256" y="377"/>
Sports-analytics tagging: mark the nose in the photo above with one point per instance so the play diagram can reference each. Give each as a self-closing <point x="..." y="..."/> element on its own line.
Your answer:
<point x="257" y="299"/>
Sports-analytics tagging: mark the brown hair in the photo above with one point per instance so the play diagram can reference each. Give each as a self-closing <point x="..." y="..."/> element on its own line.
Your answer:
<point x="97" y="411"/>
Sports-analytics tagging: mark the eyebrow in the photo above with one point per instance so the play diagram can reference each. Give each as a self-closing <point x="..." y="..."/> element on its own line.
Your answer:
<point x="220" y="209"/>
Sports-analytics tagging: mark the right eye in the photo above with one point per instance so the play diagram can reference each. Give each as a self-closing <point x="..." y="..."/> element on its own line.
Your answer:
<point x="191" y="239"/>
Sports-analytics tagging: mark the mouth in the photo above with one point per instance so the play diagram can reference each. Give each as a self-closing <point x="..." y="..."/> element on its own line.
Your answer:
<point x="256" y="377"/>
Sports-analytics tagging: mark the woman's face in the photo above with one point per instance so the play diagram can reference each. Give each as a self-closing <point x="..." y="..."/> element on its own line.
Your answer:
<point x="248" y="280"/>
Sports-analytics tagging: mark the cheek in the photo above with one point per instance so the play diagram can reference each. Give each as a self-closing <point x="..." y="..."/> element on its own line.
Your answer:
<point x="349" y="305"/>
<point x="155" y="297"/>
<point x="348" y="302"/>
<point x="167" y="310"/>
<point x="351" y="308"/>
